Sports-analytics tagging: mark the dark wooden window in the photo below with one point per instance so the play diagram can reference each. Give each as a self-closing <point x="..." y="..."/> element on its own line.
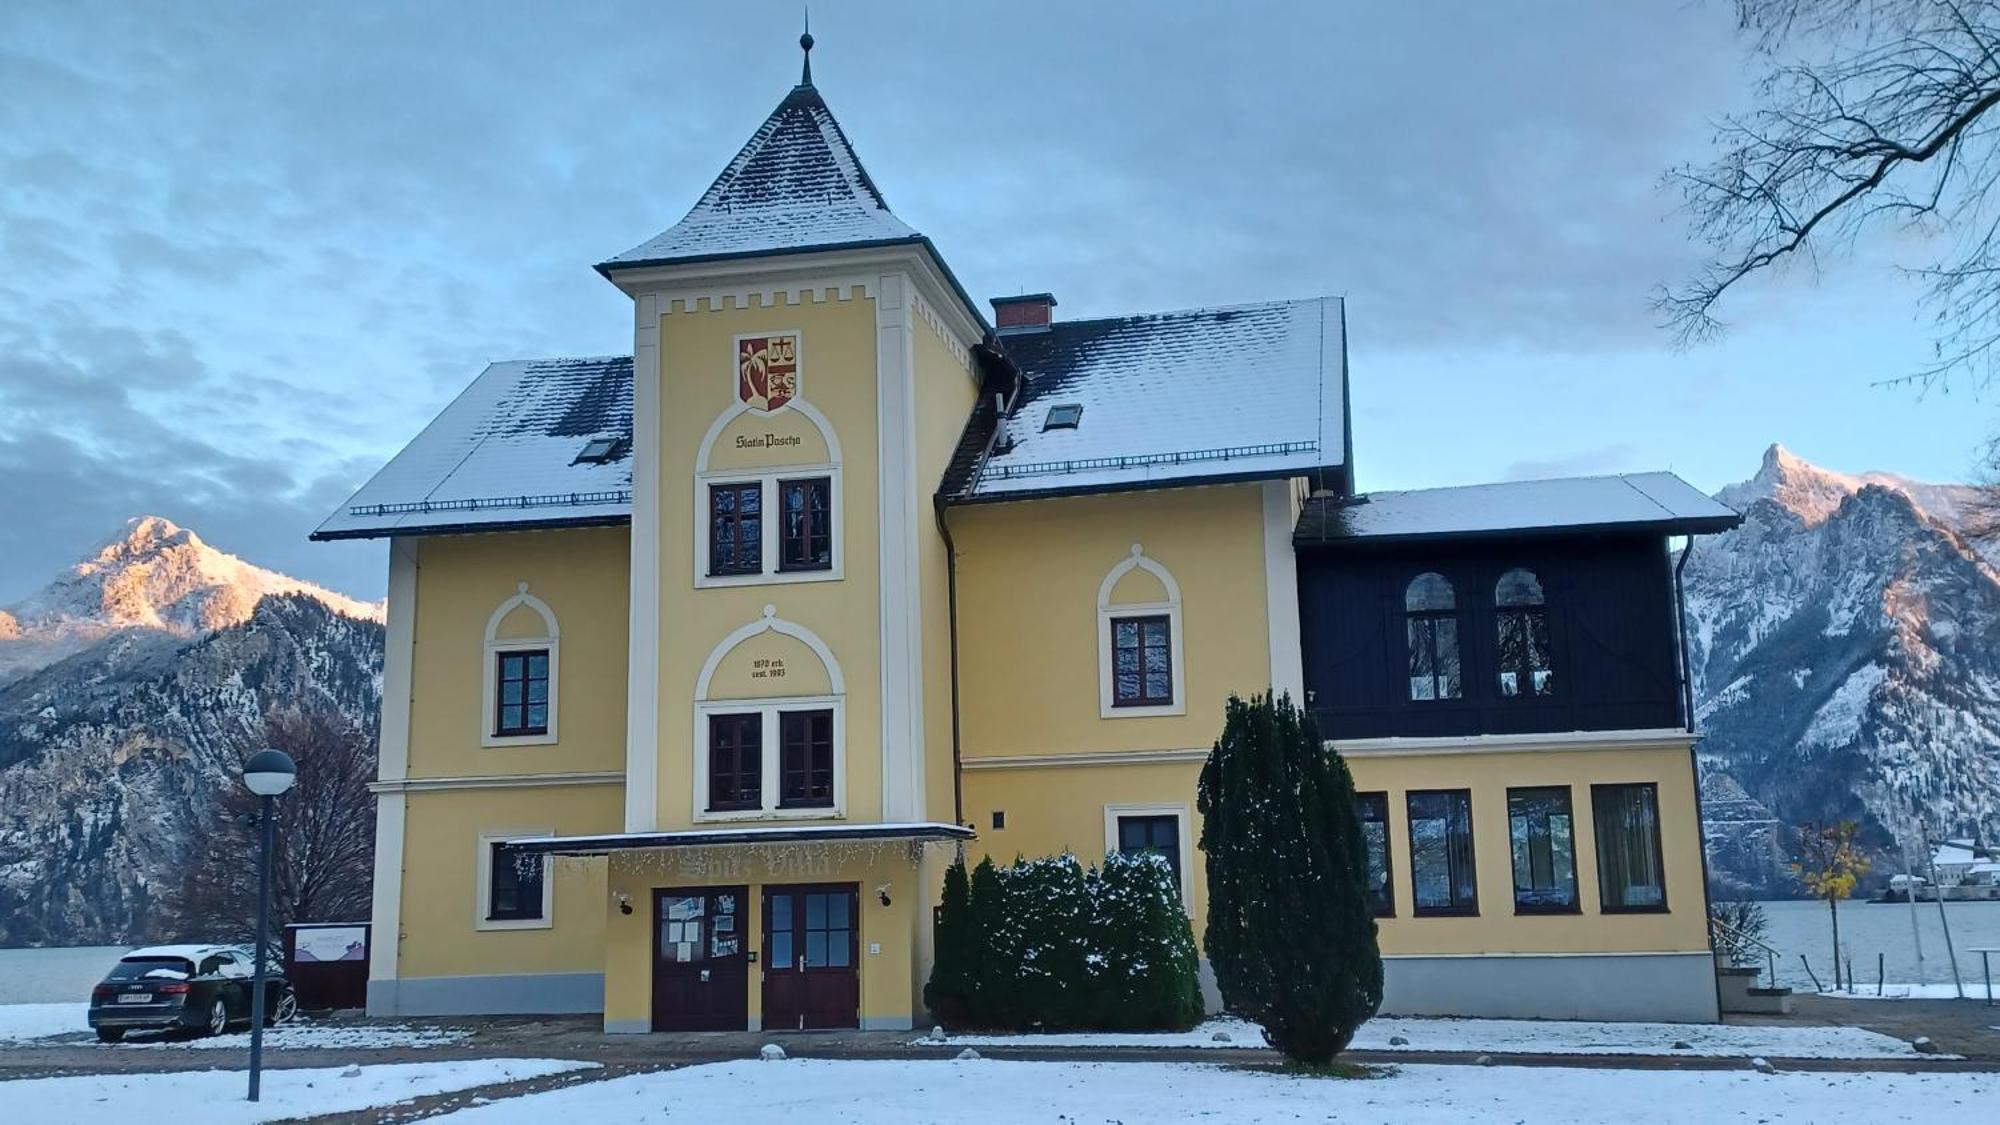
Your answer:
<point x="1430" y="618"/>
<point x="1542" y="836"/>
<point x="521" y="703"/>
<point x="735" y="762"/>
<point x="805" y="759"/>
<point x="735" y="528"/>
<point x="1374" y="810"/>
<point x="1162" y="834"/>
<point x="1142" y="662"/>
<point x="1442" y="880"/>
<point x="1521" y="617"/>
<point x="805" y="530"/>
<point x="1631" y="876"/>
<point x="514" y="893"/>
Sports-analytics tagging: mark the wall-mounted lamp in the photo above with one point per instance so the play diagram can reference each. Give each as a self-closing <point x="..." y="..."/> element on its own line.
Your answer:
<point x="882" y="892"/>
<point x="624" y="902"/>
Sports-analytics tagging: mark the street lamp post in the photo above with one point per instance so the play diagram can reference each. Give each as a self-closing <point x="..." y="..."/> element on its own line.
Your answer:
<point x="268" y="774"/>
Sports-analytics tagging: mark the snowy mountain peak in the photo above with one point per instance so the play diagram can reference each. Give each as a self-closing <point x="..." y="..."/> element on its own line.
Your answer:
<point x="154" y="575"/>
<point x="1813" y="493"/>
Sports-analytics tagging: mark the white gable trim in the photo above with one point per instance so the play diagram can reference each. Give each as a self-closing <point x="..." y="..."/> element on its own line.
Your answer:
<point x="770" y="623"/>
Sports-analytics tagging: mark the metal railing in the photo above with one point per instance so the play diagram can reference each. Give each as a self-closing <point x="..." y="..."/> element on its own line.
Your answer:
<point x="1724" y="936"/>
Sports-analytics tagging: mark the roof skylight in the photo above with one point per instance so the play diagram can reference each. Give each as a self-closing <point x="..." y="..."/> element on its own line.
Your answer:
<point x="1063" y="416"/>
<point x="598" y="451"/>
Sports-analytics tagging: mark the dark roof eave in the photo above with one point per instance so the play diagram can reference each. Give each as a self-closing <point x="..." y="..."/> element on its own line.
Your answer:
<point x="469" y="528"/>
<point x="1140" y="486"/>
<point x="606" y="268"/>
<point x="1694" y="525"/>
<point x="697" y="838"/>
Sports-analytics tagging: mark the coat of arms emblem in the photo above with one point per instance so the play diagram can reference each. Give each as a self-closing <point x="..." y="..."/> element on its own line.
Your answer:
<point x="767" y="370"/>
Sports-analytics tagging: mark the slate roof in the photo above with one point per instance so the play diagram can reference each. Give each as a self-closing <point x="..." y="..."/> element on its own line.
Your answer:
<point x="1240" y="393"/>
<point x="503" y="453"/>
<point x="796" y="186"/>
<point x="1650" y="503"/>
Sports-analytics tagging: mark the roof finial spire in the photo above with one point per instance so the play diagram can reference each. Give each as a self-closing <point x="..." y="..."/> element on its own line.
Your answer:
<point x="806" y="45"/>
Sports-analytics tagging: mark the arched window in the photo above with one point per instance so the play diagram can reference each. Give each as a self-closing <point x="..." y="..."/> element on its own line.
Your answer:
<point x="1431" y="621"/>
<point x="1522" y="617"/>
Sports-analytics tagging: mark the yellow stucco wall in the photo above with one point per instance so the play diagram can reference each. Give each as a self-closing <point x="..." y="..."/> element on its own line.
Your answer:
<point x="1498" y="928"/>
<point x="1052" y="809"/>
<point x="946" y="388"/>
<point x="890" y="993"/>
<point x="1029" y="575"/>
<point x="462" y="580"/>
<point x="443" y="900"/>
<point x="697" y="378"/>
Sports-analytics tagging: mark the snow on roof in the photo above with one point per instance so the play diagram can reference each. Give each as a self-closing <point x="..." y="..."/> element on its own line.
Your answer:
<point x="1654" y="502"/>
<point x="185" y="952"/>
<point x="1245" y="392"/>
<point x="505" y="453"/>
<point x="796" y="185"/>
<point x="771" y="834"/>
<point x="1953" y="853"/>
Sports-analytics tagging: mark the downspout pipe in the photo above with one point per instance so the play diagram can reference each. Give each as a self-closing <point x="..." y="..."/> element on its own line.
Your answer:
<point x="1694" y="762"/>
<point x="951" y="618"/>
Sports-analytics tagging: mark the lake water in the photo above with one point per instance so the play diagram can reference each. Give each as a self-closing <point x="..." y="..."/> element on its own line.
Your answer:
<point x="1867" y="929"/>
<point x="49" y="976"/>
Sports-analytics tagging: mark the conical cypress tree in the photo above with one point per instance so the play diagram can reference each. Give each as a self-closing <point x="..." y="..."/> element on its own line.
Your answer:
<point x="1290" y="933"/>
<point x="990" y="975"/>
<point x="947" y="993"/>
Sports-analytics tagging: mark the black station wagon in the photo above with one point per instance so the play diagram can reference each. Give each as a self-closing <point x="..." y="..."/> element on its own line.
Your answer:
<point x="203" y="988"/>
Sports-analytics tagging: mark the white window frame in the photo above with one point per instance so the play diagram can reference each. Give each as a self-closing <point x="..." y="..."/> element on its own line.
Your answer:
<point x="768" y="776"/>
<point x="1179" y="811"/>
<point x="482" y="899"/>
<point x="490" y="678"/>
<point x="767" y="479"/>
<point x="1109" y="611"/>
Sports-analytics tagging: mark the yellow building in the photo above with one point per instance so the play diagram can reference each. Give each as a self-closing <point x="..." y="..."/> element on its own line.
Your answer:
<point x="704" y="661"/>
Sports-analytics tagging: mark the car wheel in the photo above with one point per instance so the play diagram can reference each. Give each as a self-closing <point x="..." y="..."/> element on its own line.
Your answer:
<point x="110" y="1034"/>
<point x="218" y="1017"/>
<point x="286" y="1009"/>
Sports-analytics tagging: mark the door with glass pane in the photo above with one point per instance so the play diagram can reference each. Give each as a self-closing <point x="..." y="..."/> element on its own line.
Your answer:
<point x="701" y="979"/>
<point x="811" y="957"/>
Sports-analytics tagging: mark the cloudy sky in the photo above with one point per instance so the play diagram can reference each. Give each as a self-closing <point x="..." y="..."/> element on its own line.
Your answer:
<point x="248" y="249"/>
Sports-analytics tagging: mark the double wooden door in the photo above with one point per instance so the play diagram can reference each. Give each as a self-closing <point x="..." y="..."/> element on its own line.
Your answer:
<point x="701" y="977"/>
<point x="812" y="975"/>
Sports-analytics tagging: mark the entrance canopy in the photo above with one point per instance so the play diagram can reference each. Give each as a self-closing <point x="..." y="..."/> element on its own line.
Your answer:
<point x="919" y="833"/>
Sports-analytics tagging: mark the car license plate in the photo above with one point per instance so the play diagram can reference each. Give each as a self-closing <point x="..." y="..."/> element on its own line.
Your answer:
<point x="136" y="998"/>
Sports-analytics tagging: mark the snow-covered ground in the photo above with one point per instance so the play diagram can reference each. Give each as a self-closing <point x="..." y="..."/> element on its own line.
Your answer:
<point x="216" y="1097"/>
<point x="19" y="1022"/>
<point x="995" y="1091"/>
<point x="25" y="1022"/>
<point x="1549" y="1037"/>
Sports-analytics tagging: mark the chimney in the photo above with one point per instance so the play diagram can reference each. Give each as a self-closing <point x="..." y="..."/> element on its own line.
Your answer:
<point x="1029" y="312"/>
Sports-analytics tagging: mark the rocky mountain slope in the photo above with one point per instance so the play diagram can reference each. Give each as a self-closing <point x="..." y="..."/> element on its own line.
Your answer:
<point x="1845" y="643"/>
<point x="139" y="678"/>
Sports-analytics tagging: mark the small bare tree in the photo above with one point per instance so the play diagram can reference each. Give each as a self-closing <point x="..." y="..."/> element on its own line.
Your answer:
<point x="1874" y="113"/>
<point x="323" y="850"/>
<point x="1830" y="864"/>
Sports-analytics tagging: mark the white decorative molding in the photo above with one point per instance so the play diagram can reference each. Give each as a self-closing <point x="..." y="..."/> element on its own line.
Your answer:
<point x="1281" y="591"/>
<point x="751" y="296"/>
<point x="1177" y="810"/>
<point x="551" y="640"/>
<point x="1107" y="611"/>
<point x="482" y="903"/>
<point x="1667" y="738"/>
<point x="770" y="622"/>
<point x="960" y="350"/>
<point x="1097" y="758"/>
<point x="642" y="677"/>
<point x="399" y="654"/>
<point x="391" y="813"/>
<point x="498" y="781"/>
<point x="902" y="669"/>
